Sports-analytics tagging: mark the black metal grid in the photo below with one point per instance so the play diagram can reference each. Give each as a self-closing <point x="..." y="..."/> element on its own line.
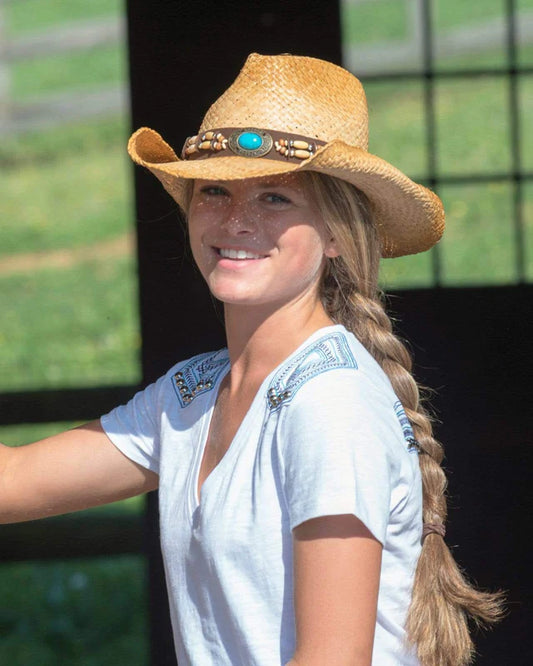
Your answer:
<point x="516" y="175"/>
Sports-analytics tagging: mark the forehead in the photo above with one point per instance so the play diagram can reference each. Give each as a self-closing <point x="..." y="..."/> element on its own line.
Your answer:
<point x="292" y="180"/>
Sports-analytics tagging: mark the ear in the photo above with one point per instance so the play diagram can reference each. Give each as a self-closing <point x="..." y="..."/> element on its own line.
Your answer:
<point x="331" y="249"/>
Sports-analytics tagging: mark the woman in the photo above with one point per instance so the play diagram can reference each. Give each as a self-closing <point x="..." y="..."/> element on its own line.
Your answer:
<point x="301" y="495"/>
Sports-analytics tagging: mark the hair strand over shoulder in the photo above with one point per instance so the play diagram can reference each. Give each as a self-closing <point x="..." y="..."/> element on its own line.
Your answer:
<point x="443" y="600"/>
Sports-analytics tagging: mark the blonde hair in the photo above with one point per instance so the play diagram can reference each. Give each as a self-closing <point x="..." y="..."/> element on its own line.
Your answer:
<point x="443" y="600"/>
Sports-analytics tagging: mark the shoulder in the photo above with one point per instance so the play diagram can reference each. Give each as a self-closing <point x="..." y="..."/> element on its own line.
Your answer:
<point x="197" y="375"/>
<point x="339" y="442"/>
<point x="334" y="390"/>
<point x="183" y="382"/>
<point x="335" y="363"/>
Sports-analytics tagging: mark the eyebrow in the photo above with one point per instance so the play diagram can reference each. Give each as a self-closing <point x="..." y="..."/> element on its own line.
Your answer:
<point x="274" y="183"/>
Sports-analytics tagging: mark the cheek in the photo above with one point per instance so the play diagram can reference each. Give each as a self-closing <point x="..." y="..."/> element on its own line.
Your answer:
<point x="307" y="238"/>
<point x="199" y="221"/>
<point x="307" y="246"/>
<point x="198" y="250"/>
<point x="192" y="233"/>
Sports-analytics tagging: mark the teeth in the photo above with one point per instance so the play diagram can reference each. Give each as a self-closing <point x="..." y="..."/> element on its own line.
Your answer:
<point x="237" y="254"/>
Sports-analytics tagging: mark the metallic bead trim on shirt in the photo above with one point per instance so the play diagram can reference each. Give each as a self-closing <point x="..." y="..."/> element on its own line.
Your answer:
<point x="329" y="352"/>
<point x="199" y="375"/>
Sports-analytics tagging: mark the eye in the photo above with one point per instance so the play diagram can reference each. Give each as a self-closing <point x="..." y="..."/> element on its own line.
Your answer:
<point x="214" y="190"/>
<point x="276" y="198"/>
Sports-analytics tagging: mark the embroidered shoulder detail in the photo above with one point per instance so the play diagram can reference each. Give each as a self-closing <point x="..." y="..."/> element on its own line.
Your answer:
<point x="330" y="352"/>
<point x="407" y="429"/>
<point x="199" y="375"/>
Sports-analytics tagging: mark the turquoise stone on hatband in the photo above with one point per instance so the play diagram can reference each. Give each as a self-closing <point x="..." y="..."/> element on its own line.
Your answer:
<point x="250" y="142"/>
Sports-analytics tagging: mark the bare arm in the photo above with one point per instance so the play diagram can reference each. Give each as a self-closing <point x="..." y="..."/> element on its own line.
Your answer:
<point x="74" y="470"/>
<point x="337" y="565"/>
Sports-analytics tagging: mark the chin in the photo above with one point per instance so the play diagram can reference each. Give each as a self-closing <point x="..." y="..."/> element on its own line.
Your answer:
<point x="233" y="293"/>
<point x="235" y="299"/>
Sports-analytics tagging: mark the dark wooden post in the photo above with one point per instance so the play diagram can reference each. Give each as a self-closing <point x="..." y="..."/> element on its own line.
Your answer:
<point x="182" y="56"/>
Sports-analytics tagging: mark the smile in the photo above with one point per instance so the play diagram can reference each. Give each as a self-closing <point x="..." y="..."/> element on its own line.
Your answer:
<point x="227" y="253"/>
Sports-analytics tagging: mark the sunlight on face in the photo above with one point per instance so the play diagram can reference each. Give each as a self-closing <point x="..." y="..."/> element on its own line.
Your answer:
<point x="258" y="241"/>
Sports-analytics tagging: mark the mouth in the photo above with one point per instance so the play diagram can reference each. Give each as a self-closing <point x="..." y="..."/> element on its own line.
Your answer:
<point x="239" y="255"/>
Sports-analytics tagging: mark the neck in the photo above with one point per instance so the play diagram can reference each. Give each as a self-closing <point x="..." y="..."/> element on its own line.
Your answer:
<point x="259" y="339"/>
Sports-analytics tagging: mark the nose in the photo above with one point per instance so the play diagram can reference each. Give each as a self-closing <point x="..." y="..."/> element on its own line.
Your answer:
<point x="239" y="218"/>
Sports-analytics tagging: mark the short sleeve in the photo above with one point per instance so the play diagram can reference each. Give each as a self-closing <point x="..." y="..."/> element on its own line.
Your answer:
<point x="335" y="451"/>
<point x="135" y="428"/>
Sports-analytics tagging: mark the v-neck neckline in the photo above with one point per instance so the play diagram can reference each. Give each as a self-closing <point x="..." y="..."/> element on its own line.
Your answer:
<point x="233" y="446"/>
<point x="204" y="436"/>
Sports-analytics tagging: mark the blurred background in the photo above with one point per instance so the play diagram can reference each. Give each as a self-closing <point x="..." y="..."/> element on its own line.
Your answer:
<point x="67" y="296"/>
<point x="68" y="273"/>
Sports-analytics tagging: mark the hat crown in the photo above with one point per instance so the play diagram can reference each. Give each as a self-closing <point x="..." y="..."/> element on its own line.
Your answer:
<point x="294" y="94"/>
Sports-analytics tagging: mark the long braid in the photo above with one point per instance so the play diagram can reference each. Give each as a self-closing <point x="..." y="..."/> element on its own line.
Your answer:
<point x="443" y="600"/>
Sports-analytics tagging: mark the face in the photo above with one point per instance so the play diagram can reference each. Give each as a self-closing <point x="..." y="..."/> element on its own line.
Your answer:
<point x="258" y="241"/>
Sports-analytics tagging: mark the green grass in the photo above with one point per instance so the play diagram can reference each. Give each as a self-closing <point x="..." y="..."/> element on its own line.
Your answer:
<point x="382" y="20"/>
<point x="79" y="70"/>
<point x="473" y="126"/>
<point x="66" y="188"/>
<point x="359" y="25"/>
<point x="65" y="200"/>
<point x="57" y="143"/>
<point x="406" y="272"/>
<point x="397" y="131"/>
<point x="496" y="58"/>
<point x="528" y="229"/>
<point x="450" y="14"/>
<point x="472" y="137"/>
<point x="86" y="170"/>
<point x="526" y="121"/>
<point x="478" y="247"/>
<point x="92" y="306"/>
<point x="83" y="613"/>
<point x="29" y="15"/>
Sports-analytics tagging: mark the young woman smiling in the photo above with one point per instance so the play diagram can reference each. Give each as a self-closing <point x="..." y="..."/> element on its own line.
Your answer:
<point x="302" y="500"/>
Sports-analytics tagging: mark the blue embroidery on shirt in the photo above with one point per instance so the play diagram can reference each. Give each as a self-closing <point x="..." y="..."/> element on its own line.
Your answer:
<point x="407" y="430"/>
<point x="199" y="375"/>
<point x="327" y="353"/>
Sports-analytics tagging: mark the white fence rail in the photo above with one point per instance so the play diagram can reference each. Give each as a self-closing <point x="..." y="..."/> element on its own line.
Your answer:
<point x="55" y="109"/>
<point x="58" y="108"/>
<point x="402" y="54"/>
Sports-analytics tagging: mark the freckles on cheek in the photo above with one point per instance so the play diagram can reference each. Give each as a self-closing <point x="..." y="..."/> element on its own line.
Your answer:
<point x="201" y="254"/>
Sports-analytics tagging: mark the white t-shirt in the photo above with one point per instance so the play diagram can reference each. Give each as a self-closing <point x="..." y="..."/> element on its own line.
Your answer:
<point x="324" y="435"/>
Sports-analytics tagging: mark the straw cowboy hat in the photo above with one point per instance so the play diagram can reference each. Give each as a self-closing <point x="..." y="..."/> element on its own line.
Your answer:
<point x="292" y="113"/>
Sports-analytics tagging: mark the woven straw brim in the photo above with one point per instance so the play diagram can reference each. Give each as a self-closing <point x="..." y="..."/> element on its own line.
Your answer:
<point x="408" y="216"/>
